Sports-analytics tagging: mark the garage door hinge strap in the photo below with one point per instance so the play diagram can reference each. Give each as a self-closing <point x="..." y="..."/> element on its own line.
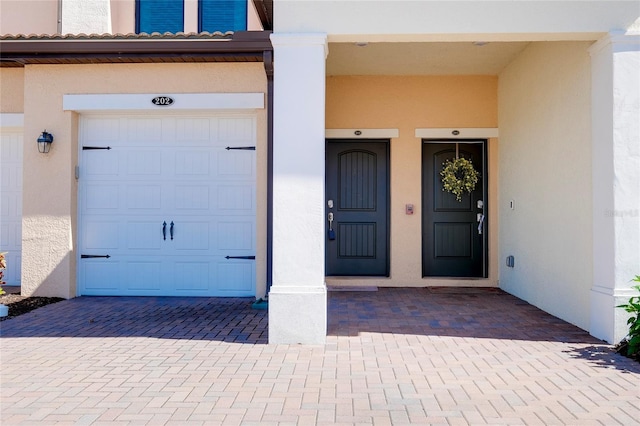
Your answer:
<point x="246" y="148"/>
<point x="240" y="257"/>
<point x="85" y="148"/>
<point x="93" y="256"/>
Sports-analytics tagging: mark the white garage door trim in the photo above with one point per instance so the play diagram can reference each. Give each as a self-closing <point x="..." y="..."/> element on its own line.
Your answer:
<point x="10" y="119"/>
<point x="138" y="171"/>
<point x="11" y="164"/>
<point x="178" y="102"/>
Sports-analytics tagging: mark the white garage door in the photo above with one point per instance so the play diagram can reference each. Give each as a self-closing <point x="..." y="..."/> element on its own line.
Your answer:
<point x="167" y="205"/>
<point x="11" y="203"/>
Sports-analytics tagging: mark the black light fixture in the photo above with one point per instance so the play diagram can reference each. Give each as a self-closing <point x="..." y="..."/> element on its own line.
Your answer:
<point x="44" y="142"/>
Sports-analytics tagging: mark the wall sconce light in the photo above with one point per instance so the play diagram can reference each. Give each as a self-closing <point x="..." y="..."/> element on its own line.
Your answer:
<point x="44" y="142"/>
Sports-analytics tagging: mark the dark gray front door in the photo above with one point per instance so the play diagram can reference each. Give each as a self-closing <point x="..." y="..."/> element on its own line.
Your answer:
<point x="453" y="232"/>
<point x="357" y="197"/>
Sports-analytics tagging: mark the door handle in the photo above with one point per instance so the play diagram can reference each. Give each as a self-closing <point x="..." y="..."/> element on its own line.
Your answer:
<point x="164" y="230"/>
<point x="332" y="233"/>
<point x="480" y="222"/>
<point x="171" y="230"/>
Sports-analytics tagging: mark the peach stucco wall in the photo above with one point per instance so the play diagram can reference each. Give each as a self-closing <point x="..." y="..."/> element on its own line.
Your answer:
<point x="50" y="188"/>
<point x="407" y="103"/>
<point x="12" y="90"/>
<point x="28" y="16"/>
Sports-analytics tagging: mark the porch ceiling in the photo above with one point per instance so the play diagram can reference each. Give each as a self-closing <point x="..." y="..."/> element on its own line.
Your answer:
<point x="409" y="58"/>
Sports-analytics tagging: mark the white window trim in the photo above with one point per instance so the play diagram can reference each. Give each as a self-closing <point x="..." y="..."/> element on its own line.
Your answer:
<point x="361" y="133"/>
<point x="10" y="119"/>
<point x="181" y="102"/>
<point x="457" y="133"/>
<point x="190" y="16"/>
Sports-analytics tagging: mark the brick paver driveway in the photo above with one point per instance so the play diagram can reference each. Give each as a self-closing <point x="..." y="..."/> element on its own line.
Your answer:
<point x="395" y="356"/>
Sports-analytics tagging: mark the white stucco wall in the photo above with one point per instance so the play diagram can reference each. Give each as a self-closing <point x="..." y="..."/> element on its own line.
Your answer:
<point x="86" y="16"/>
<point x="616" y="181"/>
<point x="389" y="20"/>
<point x="544" y="112"/>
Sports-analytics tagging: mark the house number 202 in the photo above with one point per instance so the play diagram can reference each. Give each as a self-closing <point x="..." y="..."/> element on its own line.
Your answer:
<point x="162" y="101"/>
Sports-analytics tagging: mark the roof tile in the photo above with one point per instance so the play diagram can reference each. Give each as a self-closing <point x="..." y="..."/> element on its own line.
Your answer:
<point x="119" y="36"/>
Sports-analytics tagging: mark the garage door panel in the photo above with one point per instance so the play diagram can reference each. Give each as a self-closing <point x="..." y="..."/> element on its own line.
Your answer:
<point x="11" y="146"/>
<point x="100" y="197"/>
<point x="144" y="197"/>
<point x="11" y="207"/>
<point x="10" y="176"/>
<point x="101" y="235"/>
<point x="234" y="236"/>
<point x="100" y="163"/>
<point x="194" y="276"/>
<point x="236" y="199"/>
<point x="145" y="276"/>
<point x="192" y="163"/>
<point x="100" y="275"/>
<point x="192" y="197"/>
<point x="147" y="131"/>
<point x="99" y="131"/>
<point x="11" y="237"/>
<point x="146" y="235"/>
<point x="236" y="130"/>
<point x="194" y="131"/>
<point x="235" y="277"/>
<point x="14" y="264"/>
<point x="192" y="235"/>
<point x="147" y="163"/>
<point x="234" y="165"/>
<point x="6" y="232"/>
<point x="184" y="177"/>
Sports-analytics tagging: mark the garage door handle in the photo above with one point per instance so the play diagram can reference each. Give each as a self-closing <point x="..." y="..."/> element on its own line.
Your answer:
<point x="164" y="230"/>
<point x="171" y="230"/>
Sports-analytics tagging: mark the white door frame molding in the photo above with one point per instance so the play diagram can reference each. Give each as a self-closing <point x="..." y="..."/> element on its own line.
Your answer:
<point x="457" y="133"/>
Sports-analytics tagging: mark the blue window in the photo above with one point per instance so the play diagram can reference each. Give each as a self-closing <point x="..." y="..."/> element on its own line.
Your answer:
<point x="159" y="16"/>
<point x="222" y="15"/>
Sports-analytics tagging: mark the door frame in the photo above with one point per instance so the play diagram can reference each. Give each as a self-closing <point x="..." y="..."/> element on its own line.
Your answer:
<point x="387" y="142"/>
<point x="485" y="196"/>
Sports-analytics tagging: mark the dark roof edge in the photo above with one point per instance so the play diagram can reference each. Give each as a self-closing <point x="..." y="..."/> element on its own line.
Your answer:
<point x="265" y="13"/>
<point x="233" y="45"/>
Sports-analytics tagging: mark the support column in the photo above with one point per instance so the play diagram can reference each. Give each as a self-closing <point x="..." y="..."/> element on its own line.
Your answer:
<point x="298" y="296"/>
<point x="615" y="70"/>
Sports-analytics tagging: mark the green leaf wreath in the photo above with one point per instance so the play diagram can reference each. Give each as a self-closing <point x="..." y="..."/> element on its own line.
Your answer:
<point x="459" y="176"/>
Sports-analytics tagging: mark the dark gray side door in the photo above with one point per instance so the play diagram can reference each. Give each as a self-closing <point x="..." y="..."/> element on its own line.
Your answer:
<point x="357" y="197"/>
<point x="454" y="242"/>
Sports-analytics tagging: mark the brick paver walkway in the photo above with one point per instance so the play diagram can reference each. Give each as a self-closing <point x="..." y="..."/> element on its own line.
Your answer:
<point x="395" y="356"/>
